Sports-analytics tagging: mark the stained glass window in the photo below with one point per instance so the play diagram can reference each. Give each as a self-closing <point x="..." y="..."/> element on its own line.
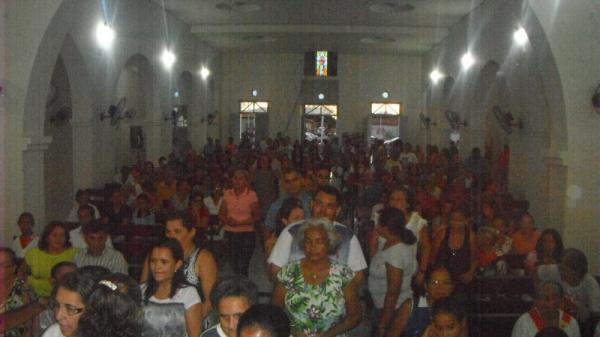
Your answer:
<point x="321" y="64"/>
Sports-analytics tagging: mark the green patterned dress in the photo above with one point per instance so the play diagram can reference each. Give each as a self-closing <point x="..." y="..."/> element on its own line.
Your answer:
<point x="315" y="308"/>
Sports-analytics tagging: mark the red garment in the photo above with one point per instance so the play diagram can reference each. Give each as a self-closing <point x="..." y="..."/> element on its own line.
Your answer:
<point x="25" y="240"/>
<point x="486" y="258"/>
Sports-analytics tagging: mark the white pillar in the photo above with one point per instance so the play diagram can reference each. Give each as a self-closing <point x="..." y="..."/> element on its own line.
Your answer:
<point x="33" y="182"/>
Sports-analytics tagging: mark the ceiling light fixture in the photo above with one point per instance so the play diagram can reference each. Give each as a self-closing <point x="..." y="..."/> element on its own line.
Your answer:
<point x="168" y="58"/>
<point x="467" y="60"/>
<point x="520" y="36"/>
<point x="254" y="93"/>
<point x="435" y="76"/>
<point x="321" y="96"/>
<point x="385" y="95"/>
<point x="104" y="35"/>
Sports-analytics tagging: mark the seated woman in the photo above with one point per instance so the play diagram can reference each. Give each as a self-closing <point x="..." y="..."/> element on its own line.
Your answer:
<point x="546" y="256"/>
<point x="291" y="211"/>
<point x="392" y="267"/>
<point x="19" y="302"/>
<point x="526" y="237"/>
<point x="455" y="248"/>
<point x="54" y="247"/>
<point x="23" y="243"/>
<point x="68" y="303"/>
<point x="167" y="283"/>
<point x="142" y="213"/>
<point x="449" y="319"/>
<point x="414" y="316"/>
<point x="113" y="309"/>
<point x="319" y="294"/>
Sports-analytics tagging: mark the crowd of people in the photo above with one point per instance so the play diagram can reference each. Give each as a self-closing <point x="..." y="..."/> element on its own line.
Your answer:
<point x="386" y="232"/>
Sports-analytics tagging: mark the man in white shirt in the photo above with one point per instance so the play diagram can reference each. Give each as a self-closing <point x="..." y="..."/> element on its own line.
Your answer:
<point x="325" y="204"/>
<point x="97" y="253"/>
<point x="232" y="296"/>
<point x="545" y="313"/>
<point x="85" y="215"/>
<point x="82" y="197"/>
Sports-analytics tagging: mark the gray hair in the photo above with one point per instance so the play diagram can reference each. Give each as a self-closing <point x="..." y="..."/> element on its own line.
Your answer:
<point x="325" y="224"/>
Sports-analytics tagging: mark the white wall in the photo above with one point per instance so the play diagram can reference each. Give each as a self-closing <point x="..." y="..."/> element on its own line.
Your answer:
<point x="277" y="77"/>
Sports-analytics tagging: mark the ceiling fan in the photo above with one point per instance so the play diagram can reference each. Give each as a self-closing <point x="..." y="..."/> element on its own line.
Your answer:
<point x="426" y="122"/>
<point x="454" y="120"/>
<point x="117" y="112"/>
<point x="506" y="119"/>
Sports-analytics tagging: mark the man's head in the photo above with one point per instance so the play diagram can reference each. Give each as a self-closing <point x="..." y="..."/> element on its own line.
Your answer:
<point x="117" y="198"/>
<point x="322" y="176"/>
<point x="292" y="182"/>
<point x="232" y="297"/>
<point x="95" y="236"/>
<point x="549" y="296"/>
<point x="573" y="266"/>
<point x="85" y="214"/>
<point x="327" y="203"/>
<point x="82" y="197"/>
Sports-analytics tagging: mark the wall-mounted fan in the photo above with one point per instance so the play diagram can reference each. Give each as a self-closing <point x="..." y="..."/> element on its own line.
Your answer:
<point x="596" y="99"/>
<point x="426" y="122"/>
<point x="117" y="112"/>
<point x="506" y="119"/>
<point x="454" y="120"/>
<point x="209" y="119"/>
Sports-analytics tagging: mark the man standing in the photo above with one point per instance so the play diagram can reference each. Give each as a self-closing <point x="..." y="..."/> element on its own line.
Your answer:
<point x="97" y="252"/>
<point x="326" y="204"/>
<point x="232" y="297"/>
<point x="292" y="187"/>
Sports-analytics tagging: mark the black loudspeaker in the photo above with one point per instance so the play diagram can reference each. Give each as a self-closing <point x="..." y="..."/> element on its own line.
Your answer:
<point x="136" y="137"/>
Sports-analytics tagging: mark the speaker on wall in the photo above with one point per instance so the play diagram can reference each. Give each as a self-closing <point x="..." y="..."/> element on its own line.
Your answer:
<point x="136" y="137"/>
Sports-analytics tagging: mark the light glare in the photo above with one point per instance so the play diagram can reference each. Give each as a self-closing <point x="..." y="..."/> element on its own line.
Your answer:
<point x="104" y="35"/>
<point x="204" y="73"/>
<point x="435" y="76"/>
<point x="467" y="60"/>
<point x="168" y="58"/>
<point x="520" y="36"/>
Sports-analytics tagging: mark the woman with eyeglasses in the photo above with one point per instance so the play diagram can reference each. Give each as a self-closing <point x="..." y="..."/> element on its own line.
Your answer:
<point x="167" y="284"/>
<point x="18" y="303"/>
<point x="68" y="303"/>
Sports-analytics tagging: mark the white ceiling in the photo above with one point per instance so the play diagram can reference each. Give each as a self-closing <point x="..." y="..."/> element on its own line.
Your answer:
<point x="357" y="26"/>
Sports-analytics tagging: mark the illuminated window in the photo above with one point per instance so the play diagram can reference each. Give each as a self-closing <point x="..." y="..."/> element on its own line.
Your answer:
<point x="386" y="108"/>
<point x="254" y="106"/>
<point x="321" y="64"/>
<point x="314" y="109"/>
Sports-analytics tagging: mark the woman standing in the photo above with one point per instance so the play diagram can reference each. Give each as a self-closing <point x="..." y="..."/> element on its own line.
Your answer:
<point x="167" y="284"/>
<point x="239" y="215"/>
<point x="54" y="247"/>
<point x="391" y="269"/>
<point x="15" y="295"/>
<point x="199" y="267"/>
<point x="319" y="294"/>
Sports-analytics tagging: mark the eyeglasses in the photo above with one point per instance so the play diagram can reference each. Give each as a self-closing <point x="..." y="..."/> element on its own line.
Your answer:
<point x="71" y="310"/>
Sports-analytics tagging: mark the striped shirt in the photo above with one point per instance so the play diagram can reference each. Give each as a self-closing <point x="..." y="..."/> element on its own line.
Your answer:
<point x="110" y="258"/>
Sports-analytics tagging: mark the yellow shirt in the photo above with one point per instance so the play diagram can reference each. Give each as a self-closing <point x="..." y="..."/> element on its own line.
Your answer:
<point x="41" y="264"/>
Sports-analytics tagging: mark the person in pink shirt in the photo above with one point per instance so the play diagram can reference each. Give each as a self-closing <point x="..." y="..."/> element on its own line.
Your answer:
<point x="240" y="215"/>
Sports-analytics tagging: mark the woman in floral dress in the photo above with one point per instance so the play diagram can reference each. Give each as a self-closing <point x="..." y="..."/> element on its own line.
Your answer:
<point x="319" y="294"/>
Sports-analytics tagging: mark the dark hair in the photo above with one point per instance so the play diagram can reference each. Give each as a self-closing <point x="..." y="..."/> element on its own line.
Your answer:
<point x="450" y="305"/>
<point x="551" y="331"/>
<point x="330" y="190"/>
<point x="287" y="206"/>
<point x="394" y="220"/>
<point x="539" y="294"/>
<point x="95" y="272"/>
<point x="268" y="317"/>
<point x="94" y="227"/>
<point x="558" y="251"/>
<point x="234" y="286"/>
<point x="59" y="266"/>
<point x="11" y="254"/>
<point x="27" y="215"/>
<point x="143" y="196"/>
<point x="429" y="272"/>
<point x="575" y="259"/>
<point x="78" y="282"/>
<point x="86" y="208"/>
<point x="185" y="218"/>
<point x="178" y="281"/>
<point x="43" y="243"/>
<point x="113" y="309"/>
<point x="80" y="192"/>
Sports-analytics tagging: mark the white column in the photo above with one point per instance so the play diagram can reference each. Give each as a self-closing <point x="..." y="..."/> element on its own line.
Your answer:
<point x="33" y="182"/>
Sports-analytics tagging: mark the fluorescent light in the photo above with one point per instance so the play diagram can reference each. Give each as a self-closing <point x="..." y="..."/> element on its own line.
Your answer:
<point x="104" y="35"/>
<point x="467" y="60"/>
<point x="435" y="75"/>
<point x="168" y="58"/>
<point x="204" y="73"/>
<point x="520" y="36"/>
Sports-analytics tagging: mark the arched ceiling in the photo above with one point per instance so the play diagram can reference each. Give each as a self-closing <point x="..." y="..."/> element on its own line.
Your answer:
<point x="357" y="26"/>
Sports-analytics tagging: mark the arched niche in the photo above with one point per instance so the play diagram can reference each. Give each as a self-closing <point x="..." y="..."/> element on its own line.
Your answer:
<point x="58" y="157"/>
<point x="135" y="85"/>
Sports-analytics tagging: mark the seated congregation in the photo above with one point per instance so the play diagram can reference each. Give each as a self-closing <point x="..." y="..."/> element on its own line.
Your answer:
<point x="385" y="240"/>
